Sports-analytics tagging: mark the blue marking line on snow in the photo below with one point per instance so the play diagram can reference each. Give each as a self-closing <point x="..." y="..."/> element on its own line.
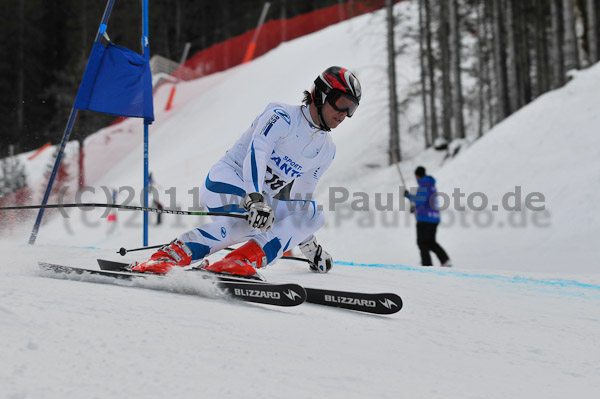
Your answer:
<point x="496" y="277"/>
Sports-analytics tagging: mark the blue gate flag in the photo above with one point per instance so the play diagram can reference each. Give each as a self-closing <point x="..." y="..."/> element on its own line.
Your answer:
<point x="117" y="81"/>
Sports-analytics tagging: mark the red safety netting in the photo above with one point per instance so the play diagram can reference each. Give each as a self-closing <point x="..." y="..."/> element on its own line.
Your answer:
<point x="230" y="53"/>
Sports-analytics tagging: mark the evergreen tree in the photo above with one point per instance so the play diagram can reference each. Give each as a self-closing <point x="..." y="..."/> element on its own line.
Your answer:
<point x="12" y="175"/>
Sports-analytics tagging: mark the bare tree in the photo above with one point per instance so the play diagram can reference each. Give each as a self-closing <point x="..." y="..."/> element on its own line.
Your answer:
<point x="541" y="47"/>
<point x="557" y="53"/>
<point x="481" y="65"/>
<point x="423" y="65"/>
<point x="570" y="38"/>
<point x="394" y="149"/>
<point x="501" y="80"/>
<point x="431" y="71"/>
<point x="523" y="14"/>
<point x="444" y="41"/>
<point x="455" y="48"/>
<point x="21" y="70"/>
<point x="592" y="30"/>
<point x="489" y="52"/>
<point x="523" y="49"/>
<point x="512" y="64"/>
<point x="580" y="34"/>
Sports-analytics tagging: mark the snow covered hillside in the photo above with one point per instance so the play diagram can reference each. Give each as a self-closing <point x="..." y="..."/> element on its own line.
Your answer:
<point x="543" y="157"/>
<point x="517" y="317"/>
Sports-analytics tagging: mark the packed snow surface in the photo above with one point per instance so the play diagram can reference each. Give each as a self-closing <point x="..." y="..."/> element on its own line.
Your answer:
<point x="516" y="317"/>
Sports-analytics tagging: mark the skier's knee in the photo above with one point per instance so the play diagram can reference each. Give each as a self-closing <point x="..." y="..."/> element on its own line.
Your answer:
<point x="318" y="215"/>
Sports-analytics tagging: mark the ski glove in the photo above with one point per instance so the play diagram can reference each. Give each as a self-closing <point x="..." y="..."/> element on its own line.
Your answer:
<point x="260" y="215"/>
<point x="320" y="260"/>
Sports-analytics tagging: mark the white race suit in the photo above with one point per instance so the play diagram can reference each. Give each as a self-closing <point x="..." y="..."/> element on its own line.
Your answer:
<point x="281" y="146"/>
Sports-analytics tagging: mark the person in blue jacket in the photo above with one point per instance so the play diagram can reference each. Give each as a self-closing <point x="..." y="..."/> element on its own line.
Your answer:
<point x="428" y="218"/>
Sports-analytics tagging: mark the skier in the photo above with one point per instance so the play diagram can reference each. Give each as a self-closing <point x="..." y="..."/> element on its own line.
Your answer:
<point x="428" y="218"/>
<point x="285" y="145"/>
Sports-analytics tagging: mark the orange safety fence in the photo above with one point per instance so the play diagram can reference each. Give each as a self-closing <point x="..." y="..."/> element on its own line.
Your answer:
<point x="39" y="151"/>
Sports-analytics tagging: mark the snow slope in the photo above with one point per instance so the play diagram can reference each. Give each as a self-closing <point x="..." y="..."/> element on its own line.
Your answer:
<point x="458" y="336"/>
<point x="516" y="318"/>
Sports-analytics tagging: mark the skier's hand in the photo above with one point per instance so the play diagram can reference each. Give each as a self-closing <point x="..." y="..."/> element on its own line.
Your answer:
<point x="320" y="260"/>
<point x="260" y="215"/>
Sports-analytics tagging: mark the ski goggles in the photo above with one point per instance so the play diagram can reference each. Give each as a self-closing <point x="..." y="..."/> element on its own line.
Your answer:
<point x="342" y="102"/>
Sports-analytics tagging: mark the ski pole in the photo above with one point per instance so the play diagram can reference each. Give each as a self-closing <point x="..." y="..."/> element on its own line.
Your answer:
<point x="122" y="251"/>
<point x="397" y="163"/>
<point x="126" y="207"/>
<point x="283" y="257"/>
<point x="412" y="206"/>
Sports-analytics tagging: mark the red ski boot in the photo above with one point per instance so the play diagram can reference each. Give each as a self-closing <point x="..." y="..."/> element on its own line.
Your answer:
<point x="174" y="254"/>
<point x="243" y="261"/>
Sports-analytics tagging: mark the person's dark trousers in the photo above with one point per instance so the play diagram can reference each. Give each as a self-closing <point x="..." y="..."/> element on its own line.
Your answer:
<point x="158" y="215"/>
<point x="426" y="242"/>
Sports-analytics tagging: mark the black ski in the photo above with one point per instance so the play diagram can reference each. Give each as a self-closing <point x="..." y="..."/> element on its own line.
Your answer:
<point x="378" y="303"/>
<point x="110" y="265"/>
<point x="246" y="290"/>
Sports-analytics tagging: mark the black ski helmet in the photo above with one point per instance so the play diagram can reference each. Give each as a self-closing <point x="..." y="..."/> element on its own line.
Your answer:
<point x="332" y="84"/>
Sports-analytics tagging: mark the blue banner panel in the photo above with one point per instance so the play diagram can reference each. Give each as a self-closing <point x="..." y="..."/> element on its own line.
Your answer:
<point x="117" y="81"/>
